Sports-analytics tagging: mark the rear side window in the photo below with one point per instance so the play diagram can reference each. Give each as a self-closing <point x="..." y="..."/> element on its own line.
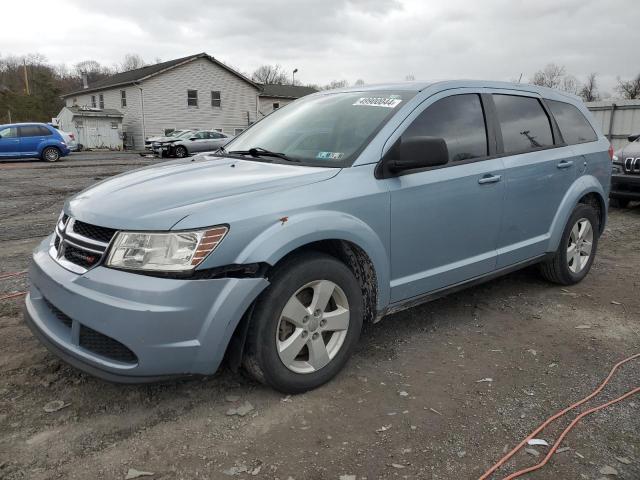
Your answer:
<point x="573" y="126"/>
<point x="459" y="120"/>
<point x="524" y="123"/>
<point x="34" y="131"/>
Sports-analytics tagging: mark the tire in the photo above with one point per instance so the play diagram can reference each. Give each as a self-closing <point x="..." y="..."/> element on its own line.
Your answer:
<point x="566" y="269"/>
<point x="295" y="283"/>
<point x="51" y="154"/>
<point x="619" y="202"/>
<point x="181" y="151"/>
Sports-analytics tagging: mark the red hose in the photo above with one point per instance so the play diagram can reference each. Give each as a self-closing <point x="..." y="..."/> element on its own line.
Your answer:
<point x="12" y="274"/>
<point x="542" y="426"/>
<point x="13" y="295"/>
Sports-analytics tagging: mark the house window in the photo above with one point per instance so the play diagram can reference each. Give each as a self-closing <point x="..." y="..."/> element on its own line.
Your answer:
<point x="215" y="99"/>
<point x="101" y="97"/>
<point x="192" y="98"/>
<point x="93" y="101"/>
<point x="123" y="98"/>
<point x="276" y="106"/>
<point x="114" y="125"/>
<point x="79" y="123"/>
<point x="218" y="130"/>
<point x="75" y="100"/>
<point x="238" y="131"/>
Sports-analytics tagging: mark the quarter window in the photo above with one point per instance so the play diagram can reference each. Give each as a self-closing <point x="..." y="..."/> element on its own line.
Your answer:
<point x="524" y="123"/>
<point x="459" y="120"/>
<point x="573" y="126"/>
<point x="192" y="98"/>
<point x="34" y="131"/>
<point x="215" y="99"/>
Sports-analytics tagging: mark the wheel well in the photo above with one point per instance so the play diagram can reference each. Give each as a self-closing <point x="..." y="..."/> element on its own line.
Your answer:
<point x="357" y="260"/>
<point x="347" y="252"/>
<point x="597" y="202"/>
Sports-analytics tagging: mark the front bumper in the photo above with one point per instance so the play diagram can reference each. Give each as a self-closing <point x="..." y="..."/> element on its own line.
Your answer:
<point x="625" y="187"/>
<point x="172" y="327"/>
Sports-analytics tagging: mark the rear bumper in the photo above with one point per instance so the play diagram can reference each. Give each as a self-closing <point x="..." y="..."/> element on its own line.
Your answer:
<point x="625" y="187"/>
<point x="169" y="327"/>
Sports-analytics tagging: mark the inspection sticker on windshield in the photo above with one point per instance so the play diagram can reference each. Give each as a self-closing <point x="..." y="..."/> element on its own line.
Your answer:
<point x="330" y="155"/>
<point x="386" y="102"/>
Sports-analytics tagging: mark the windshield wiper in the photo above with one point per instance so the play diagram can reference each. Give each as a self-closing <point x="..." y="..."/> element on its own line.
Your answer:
<point x="263" y="152"/>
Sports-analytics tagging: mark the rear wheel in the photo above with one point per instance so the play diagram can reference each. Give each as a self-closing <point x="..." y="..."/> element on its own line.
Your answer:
<point x="51" y="154"/>
<point x="574" y="257"/>
<point x="305" y="325"/>
<point x="619" y="202"/>
<point x="181" y="151"/>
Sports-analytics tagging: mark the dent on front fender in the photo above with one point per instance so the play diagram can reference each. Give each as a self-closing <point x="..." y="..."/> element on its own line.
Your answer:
<point x="581" y="187"/>
<point x="298" y="230"/>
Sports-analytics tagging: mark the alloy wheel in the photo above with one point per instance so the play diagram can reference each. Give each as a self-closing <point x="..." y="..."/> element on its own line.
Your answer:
<point x="313" y="326"/>
<point x="580" y="245"/>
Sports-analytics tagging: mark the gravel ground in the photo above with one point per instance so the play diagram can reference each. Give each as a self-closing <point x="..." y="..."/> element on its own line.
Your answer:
<point x="408" y="405"/>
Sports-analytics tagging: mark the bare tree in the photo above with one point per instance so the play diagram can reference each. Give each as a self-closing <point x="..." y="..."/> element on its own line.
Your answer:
<point x="570" y="84"/>
<point x="629" y="89"/>
<point x="409" y="78"/>
<point x="359" y="83"/>
<point x="336" y="84"/>
<point x="269" y="75"/>
<point x="551" y="76"/>
<point x="589" y="91"/>
<point x="132" y="61"/>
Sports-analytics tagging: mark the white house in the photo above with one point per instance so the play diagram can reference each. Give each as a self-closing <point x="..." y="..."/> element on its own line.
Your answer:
<point x="197" y="92"/>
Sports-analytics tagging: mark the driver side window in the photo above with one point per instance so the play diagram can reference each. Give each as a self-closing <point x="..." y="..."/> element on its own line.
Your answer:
<point x="459" y="120"/>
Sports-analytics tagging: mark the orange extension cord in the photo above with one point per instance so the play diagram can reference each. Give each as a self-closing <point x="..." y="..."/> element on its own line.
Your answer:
<point x="566" y="430"/>
<point x="11" y="275"/>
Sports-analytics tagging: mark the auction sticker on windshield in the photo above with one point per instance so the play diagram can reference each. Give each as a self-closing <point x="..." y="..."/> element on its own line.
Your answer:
<point x="330" y="155"/>
<point x="385" y="102"/>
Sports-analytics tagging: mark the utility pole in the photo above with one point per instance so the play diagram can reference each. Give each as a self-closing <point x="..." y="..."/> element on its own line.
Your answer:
<point x="26" y="77"/>
<point x="293" y="76"/>
<point x="9" y="114"/>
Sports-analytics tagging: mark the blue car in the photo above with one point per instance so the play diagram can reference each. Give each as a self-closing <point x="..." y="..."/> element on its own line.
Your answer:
<point x="334" y="211"/>
<point x="32" y="140"/>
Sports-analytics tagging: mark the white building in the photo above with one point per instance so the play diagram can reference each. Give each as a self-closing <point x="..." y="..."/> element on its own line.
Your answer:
<point x="93" y="127"/>
<point x="197" y="92"/>
<point x="273" y="97"/>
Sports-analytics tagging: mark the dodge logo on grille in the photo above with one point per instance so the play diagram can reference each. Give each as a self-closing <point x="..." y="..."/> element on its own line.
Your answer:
<point x="632" y="165"/>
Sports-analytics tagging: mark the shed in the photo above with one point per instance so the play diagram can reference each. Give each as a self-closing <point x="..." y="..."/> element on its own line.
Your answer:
<point x="93" y="127"/>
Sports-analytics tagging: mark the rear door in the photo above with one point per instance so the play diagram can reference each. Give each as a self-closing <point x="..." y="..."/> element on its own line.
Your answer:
<point x="31" y="136"/>
<point x="9" y="142"/>
<point x="538" y="170"/>
<point x="201" y="142"/>
<point x="445" y="220"/>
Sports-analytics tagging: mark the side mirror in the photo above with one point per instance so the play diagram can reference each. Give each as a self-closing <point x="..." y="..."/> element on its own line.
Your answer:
<point x="633" y="138"/>
<point x="415" y="152"/>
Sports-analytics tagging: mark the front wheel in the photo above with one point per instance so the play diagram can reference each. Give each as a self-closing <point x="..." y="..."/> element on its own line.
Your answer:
<point x="305" y="325"/>
<point x="51" y="154"/>
<point x="574" y="257"/>
<point x="181" y="151"/>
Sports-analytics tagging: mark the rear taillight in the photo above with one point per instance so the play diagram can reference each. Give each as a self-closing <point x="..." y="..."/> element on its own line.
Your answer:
<point x="611" y="152"/>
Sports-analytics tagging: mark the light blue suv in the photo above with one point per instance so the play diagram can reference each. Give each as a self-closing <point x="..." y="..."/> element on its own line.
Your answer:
<point x="336" y="210"/>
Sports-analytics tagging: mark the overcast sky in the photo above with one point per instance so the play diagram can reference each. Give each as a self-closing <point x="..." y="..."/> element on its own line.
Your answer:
<point x="375" y="40"/>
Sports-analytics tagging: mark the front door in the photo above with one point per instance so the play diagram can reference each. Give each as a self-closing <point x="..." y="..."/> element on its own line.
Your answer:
<point x="445" y="220"/>
<point x="9" y="142"/>
<point x="537" y="176"/>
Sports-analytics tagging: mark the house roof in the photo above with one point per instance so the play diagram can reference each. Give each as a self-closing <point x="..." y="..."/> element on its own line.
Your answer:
<point x="286" y="91"/>
<point x="139" y="74"/>
<point x="94" y="112"/>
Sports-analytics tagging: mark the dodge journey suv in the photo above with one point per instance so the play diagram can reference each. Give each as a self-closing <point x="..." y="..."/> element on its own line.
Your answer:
<point x="336" y="210"/>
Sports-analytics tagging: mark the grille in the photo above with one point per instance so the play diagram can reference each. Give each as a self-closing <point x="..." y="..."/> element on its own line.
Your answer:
<point x="105" y="346"/>
<point x="64" y="318"/>
<point x="56" y="243"/>
<point x="101" y="234"/>
<point x="81" y="257"/>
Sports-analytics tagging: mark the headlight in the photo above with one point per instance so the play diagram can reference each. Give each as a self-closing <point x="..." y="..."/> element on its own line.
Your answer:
<point x="169" y="252"/>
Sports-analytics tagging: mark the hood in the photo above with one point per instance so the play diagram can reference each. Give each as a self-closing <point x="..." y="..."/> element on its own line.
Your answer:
<point x="159" y="196"/>
<point x="630" y="150"/>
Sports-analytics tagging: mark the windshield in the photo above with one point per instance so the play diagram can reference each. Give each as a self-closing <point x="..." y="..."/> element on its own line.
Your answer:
<point x="184" y="133"/>
<point x="325" y="130"/>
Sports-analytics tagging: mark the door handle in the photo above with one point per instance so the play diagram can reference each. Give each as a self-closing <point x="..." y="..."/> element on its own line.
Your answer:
<point x="565" y="164"/>
<point x="488" y="178"/>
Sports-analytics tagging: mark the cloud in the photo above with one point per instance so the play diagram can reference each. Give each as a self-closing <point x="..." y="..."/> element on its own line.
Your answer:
<point x="376" y="40"/>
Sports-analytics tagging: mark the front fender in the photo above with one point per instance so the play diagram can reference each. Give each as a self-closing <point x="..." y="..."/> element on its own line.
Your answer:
<point x="581" y="187"/>
<point x="301" y="229"/>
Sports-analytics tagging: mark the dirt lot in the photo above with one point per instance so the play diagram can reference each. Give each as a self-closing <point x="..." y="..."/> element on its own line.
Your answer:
<point x="408" y="405"/>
